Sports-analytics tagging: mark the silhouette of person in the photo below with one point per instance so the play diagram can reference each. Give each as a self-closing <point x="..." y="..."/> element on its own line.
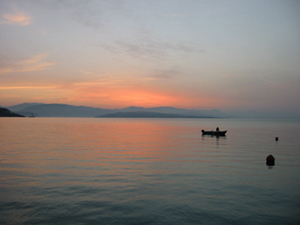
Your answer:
<point x="217" y="129"/>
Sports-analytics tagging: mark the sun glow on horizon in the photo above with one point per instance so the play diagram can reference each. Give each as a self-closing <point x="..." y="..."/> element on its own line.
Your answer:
<point x="117" y="54"/>
<point x="107" y="94"/>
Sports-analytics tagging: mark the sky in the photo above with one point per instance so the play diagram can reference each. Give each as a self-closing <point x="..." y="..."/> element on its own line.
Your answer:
<point x="193" y="54"/>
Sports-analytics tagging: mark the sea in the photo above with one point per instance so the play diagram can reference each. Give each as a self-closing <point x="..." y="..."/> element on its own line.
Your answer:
<point x="148" y="171"/>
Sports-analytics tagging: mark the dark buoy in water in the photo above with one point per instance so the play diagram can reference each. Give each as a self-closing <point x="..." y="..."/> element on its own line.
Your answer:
<point x="276" y="139"/>
<point x="270" y="160"/>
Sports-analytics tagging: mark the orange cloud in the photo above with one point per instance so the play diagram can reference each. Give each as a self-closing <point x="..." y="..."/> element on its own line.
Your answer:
<point x="117" y="94"/>
<point x="34" y="63"/>
<point x="109" y="96"/>
<point x="118" y="90"/>
<point x="16" y="17"/>
<point x="27" y="87"/>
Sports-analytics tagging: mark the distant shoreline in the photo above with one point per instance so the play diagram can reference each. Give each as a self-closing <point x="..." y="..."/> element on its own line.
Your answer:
<point x="63" y="110"/>
<point x="140" y="114"/>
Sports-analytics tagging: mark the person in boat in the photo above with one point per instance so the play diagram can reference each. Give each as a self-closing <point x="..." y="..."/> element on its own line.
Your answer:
<point x="217" y="129"/>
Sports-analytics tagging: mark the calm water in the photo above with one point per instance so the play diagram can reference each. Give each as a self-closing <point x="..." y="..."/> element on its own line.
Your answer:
<point x="148" y="171"/>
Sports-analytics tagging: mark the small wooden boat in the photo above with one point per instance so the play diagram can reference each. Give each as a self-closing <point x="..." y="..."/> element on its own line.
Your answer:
<point x="214" y="133"/>
<point x="31" y="116"/>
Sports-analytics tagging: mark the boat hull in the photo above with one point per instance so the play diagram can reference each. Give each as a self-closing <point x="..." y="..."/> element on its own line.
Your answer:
<point x="214" y="133"/>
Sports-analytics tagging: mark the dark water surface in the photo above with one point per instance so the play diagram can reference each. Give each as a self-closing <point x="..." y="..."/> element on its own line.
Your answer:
<point x="148" y="171"/>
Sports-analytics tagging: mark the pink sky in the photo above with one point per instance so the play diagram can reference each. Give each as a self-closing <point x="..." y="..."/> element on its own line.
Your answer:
<point x="227" y="55"/>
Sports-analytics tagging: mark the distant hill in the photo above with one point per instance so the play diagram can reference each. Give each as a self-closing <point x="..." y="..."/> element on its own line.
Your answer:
<point x="145" y="114"/>
<point x="22" y="106"/>
<point x="63" y="110"/>
<point x="188" y="113"/>
<point x="7" y="113"/>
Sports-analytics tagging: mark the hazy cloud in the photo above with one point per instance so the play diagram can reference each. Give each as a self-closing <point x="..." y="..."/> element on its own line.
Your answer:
<point x="203" y="13"/>
<point x="15" y="17"/>
<point x="34" y="63"/>
<point x="88" y="16"/>
<point x="89" y="13"/>
<point x="149" y="48"/>
<point x="163" y="74"/>
<point x="27" y="87"/>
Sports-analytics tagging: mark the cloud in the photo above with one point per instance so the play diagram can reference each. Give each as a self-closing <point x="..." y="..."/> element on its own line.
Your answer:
<point x="162" y="74"/>
<point x="144" y="43"/>
<point x="88" y="16"/>
<point x="34" y="63"/>
<point x="87" y="13"/>
<point x="28" y="87"/>
<point x="149" y="48"/>
<point x="203" y="13"/>
<point x="15" y="17"/>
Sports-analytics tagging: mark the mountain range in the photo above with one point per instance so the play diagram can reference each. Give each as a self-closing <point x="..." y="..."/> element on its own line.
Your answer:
<point x="63" y="110"/>
<point x="7" y="113"/>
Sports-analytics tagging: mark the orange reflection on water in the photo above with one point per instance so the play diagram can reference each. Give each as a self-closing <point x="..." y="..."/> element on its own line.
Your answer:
<point x="74" y="148"/>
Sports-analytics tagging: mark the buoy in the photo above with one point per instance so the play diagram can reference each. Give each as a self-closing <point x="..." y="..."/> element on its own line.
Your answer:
<point x="276" y="139"/>
<point x="270" y="160"/>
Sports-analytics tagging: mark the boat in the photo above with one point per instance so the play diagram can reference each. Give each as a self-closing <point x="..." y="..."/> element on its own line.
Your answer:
<point x="214" y="133"/>
<point x="31" y="116"/>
